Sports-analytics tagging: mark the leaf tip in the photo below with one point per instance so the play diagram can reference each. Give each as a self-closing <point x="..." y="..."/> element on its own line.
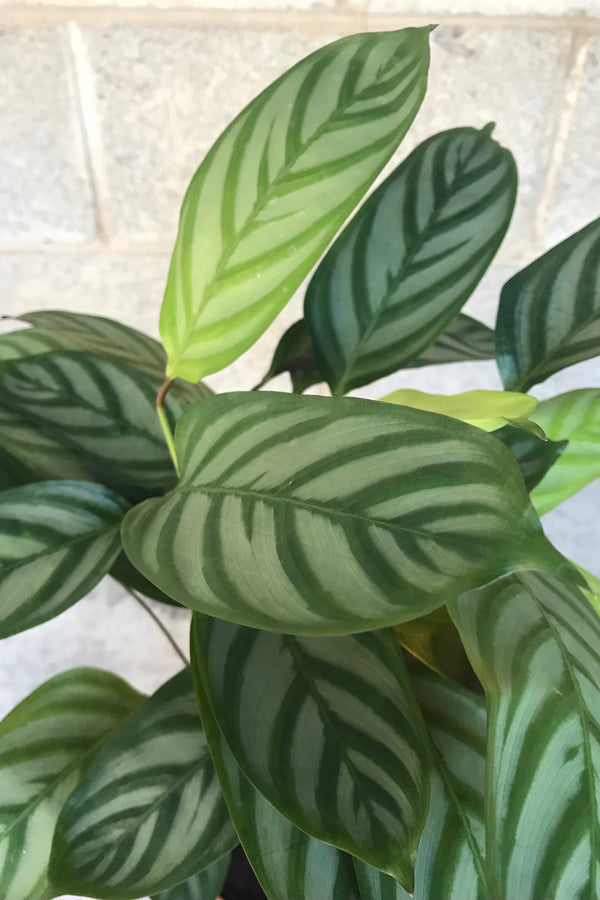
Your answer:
<point x="488" y="129"/>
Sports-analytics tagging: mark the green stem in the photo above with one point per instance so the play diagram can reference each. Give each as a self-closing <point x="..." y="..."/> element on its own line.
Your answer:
<point x="164" y="422"/>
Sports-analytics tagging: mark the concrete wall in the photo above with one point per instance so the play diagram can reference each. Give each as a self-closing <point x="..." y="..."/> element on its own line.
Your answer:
<point x="105" y="112"/>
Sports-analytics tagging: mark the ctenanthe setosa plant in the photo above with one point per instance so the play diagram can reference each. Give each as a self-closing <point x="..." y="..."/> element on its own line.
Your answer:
<point x="394" y="685"/>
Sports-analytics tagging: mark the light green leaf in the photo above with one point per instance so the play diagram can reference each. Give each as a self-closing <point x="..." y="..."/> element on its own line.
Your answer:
<point x="576" y="417"/>
<point x="205" y="885"/>
<point x="534" y="642"/>
<point x="465" y="339"/>
<point x="57" y="540"/>
<point x="534" y="456"/>
<point x="125" y="573"/>
<point x="592" y="591"/>
<point x="46" y="744"/>
<point x="328" y="731"/>
<point x="488" y="410"/>
<point x="149" y="813"/>
<point x="549" y="313"/>
<point x="401" y="271"/>
<point x="277" y="185"/>
<point x="309" y="515"/>
<point x="77" y="416"/>
<point x="287" y="862"/>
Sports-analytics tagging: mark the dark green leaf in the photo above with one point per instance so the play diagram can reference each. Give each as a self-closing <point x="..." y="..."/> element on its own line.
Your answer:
<point x="465" y="339"/>
<point x="328" y="731"/>
<point x="205" y="885"/>
<point x="434" y="640"/>
<point x="77" y="416"/>
<point x="313" y="515"/>
<point x="46" y="744"/>
<point x="295" y="354"/>
<point x="549" y="314"/>
<point x="149" y="813"/>
<point x="57" y="540"/>
<point x="400" y="272"/>
<point x="277" y="185"/>
<point x="13" y="473"/>
<point x="534" y="642"/>
<point x="534" y="456"/>
<point x="25" y="342"/>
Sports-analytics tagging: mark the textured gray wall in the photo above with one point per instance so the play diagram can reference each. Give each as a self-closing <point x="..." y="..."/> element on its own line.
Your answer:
<point x="105" y="112"/>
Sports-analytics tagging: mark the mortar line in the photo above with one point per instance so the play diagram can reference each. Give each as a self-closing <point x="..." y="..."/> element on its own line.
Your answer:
<point x="90" y="130"/>
<point x="277" y="19"/>
<point x="576" y="60"/>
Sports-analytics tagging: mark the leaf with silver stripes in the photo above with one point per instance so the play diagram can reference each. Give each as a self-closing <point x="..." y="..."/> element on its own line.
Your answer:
<point x="576" y="417"/>
<point x="46" y="744"/>
<point x="149" y="813"/>
<point x="205" y="885"/>
<point x="410" y="258"/>
<point x="534" y="642"/>
<point x="327" y="729"/>
<point x="57" y="540"/>
<point x="534" y="456"/>
<point x="549" y="313"/>
<point x="314" y="516"/>
<point x="73" y="415"/>
<point x="25" y="342"/>
<point x="277" y="185"/>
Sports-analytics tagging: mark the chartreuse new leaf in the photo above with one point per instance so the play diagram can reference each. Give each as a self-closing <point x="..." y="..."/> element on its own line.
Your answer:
<point x="410" y="258"/>
<point x="46" y="744"/>
<point x="73" y="415"/>
<point x="574" y="416"/>
<point x="277" y="185"/>
<point x="534" y="642"/>
<point x="149" y="813"/>
<point x="549" y="313"/>
<point x="57" y="540"/>
<point x="488" y="410"/>
<point x="205" y="885"/>
<point x="297" y="514"/>
<point x="328" y="731"/>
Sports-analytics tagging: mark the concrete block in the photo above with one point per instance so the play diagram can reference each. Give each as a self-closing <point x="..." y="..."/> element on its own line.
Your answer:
<point x="575" y="8"/>
<point x="44" y="190"/>
<point x="577" y="197"/>
<point x="164" y="96"/>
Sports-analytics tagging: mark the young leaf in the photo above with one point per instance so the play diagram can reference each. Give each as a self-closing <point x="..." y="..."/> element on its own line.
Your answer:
<point x="434" y="640"/>
<point x="149" y="813"/>
<point x="410" y="258"/>
<point x="328" y="731"/>
<point x="549" y="314"/>
<point x="534" y="456"/>
<point x="73" y="415"/>
<point x="488" y="410"/>
<point x="46" y="744"/>
<point x="205" y="885"/>
<point x="302" y="515"/>
<point x="277" y="185"/>
<point x="57" y="540"/>
<point x="575" y="416"/>
<point x="534" y="642"/>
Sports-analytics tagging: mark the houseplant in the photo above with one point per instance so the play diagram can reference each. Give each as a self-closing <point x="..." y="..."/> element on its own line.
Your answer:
<point x="397" y="674"/>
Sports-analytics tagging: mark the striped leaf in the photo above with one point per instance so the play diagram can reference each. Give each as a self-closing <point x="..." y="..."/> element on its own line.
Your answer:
<point x="287" y="862"/>
<point x="46" y="744"/>
<point x="534" y="456"/>
<point x="549" y="313"/>
<point x="328" y="731"/>
<point x="205" y="885"/>
<point x="57" y="540"/>
<point x="295" y="354"/>
<point x="488" y="410"/>
<point x="576" y="417"/>
<point x="465" y="339"/>
<point x="105" y="337"/>
<point x="400" y="272"/>
<point x="12" y="472"/>
<point x="309" y="515"/>
<point x="126" y="574"/>
<point x="25" y="342"/>
<point x="149" y="813"/>
<point x="77" y="416"/>
<point x="277" y="185"/>
<point x="534" y="642"/>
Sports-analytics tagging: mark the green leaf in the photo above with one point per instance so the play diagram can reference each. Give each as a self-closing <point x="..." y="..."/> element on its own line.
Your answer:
<point x="295" y="354"/>
<point x="149" y="813"/>
<point x="108" y="338"/>
<point x="287" y="862"/>
<point x="401" y="271"/>
<point x="12" y="472"/>
<point x="46" y="744"/>
<point x="126" y="574"/>
<point x="434" y="640"/>
<point x="57" y="540"/>
<point x="315" y="516"/>
<point x="534" y="642"/>
<point x="549" y="313"/>
<point x="25" y="342"/>
<point x="465" y="339"/>
<point x="488" y="410"/>
<point x="77" y="416"/>
<point x="277" y="185"/>
<point x="205" y="885"/>
<point x="328" y="731"/>
<point x="534" y="456"/>
<point x="575" y="416"/>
